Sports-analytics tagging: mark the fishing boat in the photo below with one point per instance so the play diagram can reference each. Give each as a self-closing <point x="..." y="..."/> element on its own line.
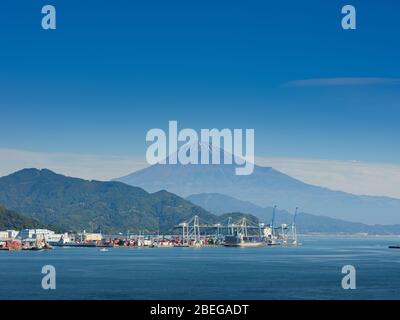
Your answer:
<point x="46" y="245"/>
<point x="35" y="248"/>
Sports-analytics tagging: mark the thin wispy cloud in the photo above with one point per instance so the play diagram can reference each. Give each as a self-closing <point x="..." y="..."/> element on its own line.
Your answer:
<point x="345" y="81"/>
<point x="360" y="178"/>
<point x="91" y="167"/>
<point x="349" y="176"/>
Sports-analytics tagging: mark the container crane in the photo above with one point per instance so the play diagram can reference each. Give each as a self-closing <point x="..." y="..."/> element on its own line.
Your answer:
<point x="273" y="221"/>
<point x="294" y="231"/>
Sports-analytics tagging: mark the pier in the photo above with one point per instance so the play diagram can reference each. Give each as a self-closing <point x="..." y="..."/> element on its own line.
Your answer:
<point x="190" y="233"/>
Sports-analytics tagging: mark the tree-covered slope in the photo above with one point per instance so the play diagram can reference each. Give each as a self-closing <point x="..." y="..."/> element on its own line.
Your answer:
<point x="76" y="204"/>
<point x="10" y="220"/>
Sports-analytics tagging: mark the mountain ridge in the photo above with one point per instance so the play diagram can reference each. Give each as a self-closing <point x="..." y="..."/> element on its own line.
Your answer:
<point x="265" y="187"/>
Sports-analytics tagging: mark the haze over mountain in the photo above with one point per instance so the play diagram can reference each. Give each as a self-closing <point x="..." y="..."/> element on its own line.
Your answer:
<point x="266" y="187"/>
<point x="306" y="223"/>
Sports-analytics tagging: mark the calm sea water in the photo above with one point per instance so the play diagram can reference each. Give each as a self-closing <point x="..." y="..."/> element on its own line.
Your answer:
<point x="311" y="271"/>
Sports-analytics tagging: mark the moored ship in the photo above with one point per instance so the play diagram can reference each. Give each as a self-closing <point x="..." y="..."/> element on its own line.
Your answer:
<point x="243" y="241"/>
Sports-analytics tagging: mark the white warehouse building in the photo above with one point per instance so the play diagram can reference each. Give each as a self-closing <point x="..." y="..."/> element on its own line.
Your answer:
<point x="8" y="234"/>
<point x="35" y="233"/>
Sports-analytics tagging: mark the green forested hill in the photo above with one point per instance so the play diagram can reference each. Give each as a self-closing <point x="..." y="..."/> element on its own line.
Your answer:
<point x="10" y="220"/>
<point x="76" y="204"/>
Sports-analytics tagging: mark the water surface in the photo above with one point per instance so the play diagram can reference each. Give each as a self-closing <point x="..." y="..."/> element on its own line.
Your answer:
<point x="310" y="271"/>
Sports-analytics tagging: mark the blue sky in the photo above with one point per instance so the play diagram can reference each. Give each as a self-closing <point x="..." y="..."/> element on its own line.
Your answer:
<point x="113" y="70"/>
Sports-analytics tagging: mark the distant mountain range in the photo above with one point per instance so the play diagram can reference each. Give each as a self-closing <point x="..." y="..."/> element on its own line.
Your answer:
<point x="266" y="187"/>
<point x="306" y="223"/>
<point x="76" y="204"/>
<point x="10" y="220"/>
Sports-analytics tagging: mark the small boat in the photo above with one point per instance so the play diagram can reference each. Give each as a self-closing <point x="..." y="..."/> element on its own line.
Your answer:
<point x="394" y="247"/>
<point x="36" y="248"/>
<point x="273" y="243"/>
<point x="103" y="250"/>
<point x="32" y="248"/>
<point x="47" y="246"/>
